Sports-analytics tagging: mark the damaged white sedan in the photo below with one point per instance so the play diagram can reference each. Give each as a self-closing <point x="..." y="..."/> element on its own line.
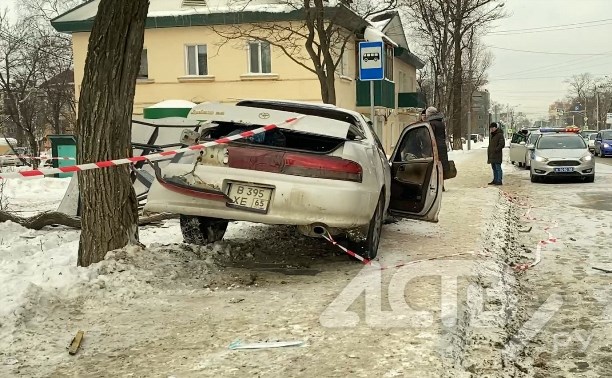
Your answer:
<point x="325" y="172"/>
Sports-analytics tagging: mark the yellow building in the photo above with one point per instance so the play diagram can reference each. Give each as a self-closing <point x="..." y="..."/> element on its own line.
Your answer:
<point x="184" y="57"/>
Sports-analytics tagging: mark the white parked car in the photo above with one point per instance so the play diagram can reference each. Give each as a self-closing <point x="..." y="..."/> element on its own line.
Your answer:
<point x="10" y="160"/>
<point x="519" y="153"/>
<point x="561" y="155"/>
<point x="591" y="141"/>
<point x="326" y="172"/>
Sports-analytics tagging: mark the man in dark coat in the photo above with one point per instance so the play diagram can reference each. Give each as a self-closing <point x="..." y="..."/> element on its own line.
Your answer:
<point x="495" y="152"/>
<point x="436" y="120"/>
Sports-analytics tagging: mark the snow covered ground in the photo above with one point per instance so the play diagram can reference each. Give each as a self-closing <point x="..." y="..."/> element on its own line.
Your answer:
<point x="173" y="309"/>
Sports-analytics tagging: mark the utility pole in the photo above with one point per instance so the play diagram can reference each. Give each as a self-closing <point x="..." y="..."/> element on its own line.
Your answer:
<point x="597" y="111"/>
<point x="470" y="92"/>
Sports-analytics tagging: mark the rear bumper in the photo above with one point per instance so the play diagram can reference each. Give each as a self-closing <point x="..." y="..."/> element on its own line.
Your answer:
<point x="295" y="200"/>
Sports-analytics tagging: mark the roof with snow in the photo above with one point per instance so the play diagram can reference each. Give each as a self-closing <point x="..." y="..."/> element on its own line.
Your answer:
<point x="183" y="13"/>
<point x="389" y="24"/>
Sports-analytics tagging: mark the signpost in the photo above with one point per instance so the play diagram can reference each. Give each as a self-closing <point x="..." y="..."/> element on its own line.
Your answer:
<point x="371" y="68"/>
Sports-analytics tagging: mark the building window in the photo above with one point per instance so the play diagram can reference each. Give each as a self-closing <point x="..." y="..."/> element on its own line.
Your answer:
<point x="143" y="72"/>
<point x="259" y="57"/>
<point x="389" y="62"/>
<point x="343" y="68"/>
<point x="197" y="60"/>
<point x="402" y="82"/>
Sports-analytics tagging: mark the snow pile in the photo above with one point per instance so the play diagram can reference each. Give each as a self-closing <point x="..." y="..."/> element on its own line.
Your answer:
<point x="31" y="196"/>
<point x="172" y="104"/>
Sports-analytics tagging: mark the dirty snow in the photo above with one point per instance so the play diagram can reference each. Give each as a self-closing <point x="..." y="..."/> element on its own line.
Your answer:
<point x="174" y="309"/>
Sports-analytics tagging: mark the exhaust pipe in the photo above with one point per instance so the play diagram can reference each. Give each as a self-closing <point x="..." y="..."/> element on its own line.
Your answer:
<point x="319" y="230"/>
<point x="316" y="230"/>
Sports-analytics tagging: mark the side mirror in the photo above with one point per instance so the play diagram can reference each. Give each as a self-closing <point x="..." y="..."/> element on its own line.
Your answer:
<point x="522" y="143"/>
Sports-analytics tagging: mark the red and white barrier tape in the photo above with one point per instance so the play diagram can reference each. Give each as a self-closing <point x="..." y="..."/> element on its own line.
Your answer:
<point x="538" y="254"/>
<point x="327" y="236"/>
<point x="153" y="157"/>
<point x="44" y="157"/>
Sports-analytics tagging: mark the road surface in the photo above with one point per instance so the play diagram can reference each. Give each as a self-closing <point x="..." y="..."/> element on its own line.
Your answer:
<point x="606" y="160"/>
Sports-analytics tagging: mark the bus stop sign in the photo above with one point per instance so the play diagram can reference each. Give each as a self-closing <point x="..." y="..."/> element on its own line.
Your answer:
<point x="371" y="57"/>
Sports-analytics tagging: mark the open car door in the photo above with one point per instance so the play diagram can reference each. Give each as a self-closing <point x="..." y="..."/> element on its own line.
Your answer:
<point x="517" y="148"/>
<point x="416" y="175"/>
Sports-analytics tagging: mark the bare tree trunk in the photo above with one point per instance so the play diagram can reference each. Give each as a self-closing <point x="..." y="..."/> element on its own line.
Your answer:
<point x="457" y="82"/>
<point x="110" y="209"/>
<point x="33" y="143"/>
<point x="328" y="89"/>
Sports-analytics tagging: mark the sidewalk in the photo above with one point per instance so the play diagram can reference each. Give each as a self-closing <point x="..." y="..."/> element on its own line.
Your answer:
<point x="172" y="310"/>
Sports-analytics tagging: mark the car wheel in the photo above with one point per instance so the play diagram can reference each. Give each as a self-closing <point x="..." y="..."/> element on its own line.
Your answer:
<point x="534" y="178"/>
<point x="368" y="247"/>
<point x="202" y="230"/>
<point x="590" y="178"/>
<point x="513" y="162"/>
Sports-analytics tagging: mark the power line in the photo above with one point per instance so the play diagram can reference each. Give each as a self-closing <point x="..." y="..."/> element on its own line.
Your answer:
<point x="578" y="61"/>
<point x="542" y="52"/>
<point x="552" y="28"/>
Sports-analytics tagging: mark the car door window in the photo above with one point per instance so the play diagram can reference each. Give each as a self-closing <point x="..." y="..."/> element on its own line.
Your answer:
<point x="532" y="138"/>
<point x="416" y="145"/>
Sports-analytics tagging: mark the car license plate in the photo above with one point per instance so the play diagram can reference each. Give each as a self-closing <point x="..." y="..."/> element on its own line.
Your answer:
<point x="250" y="197"/>
<point x="564" y="169"/>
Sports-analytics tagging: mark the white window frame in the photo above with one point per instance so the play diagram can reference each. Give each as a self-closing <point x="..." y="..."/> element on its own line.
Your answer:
<point x="141" y="77"/>
<point x="344" y="66"/>
<point x="259" y="43"/>
<point x="196" y="45"/>
<point x="389" y="74"/>
<point x="402" y="82"/>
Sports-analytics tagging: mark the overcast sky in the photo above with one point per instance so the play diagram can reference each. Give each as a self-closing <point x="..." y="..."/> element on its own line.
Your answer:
<point x="533" y="81"/>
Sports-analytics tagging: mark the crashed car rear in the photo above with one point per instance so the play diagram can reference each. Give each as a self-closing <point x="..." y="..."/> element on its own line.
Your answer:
<point x="323" y="171"/>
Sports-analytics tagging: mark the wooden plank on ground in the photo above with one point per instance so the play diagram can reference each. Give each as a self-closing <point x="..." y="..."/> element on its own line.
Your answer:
<point x="76" y="343"/>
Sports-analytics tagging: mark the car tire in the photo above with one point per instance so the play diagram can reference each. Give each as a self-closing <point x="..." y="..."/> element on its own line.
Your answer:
<point x="202" y="230"/>
<point x="534" y="178"/>
<point x="590" y="178"/>
<point x="513" y="162"/>
<point x="368" y="248"/>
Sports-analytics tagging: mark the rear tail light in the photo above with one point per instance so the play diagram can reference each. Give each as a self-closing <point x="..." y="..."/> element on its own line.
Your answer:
<point x="327" y="167"/>
<point x="296" y="164"/>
